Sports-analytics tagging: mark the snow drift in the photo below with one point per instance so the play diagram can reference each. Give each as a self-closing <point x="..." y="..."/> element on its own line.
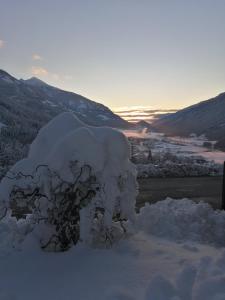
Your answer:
<point x="74" y="182"/>
<point x="183" y="219"/>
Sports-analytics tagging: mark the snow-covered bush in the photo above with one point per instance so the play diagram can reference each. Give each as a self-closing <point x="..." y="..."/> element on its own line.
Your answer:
<point x="76" y="181"/>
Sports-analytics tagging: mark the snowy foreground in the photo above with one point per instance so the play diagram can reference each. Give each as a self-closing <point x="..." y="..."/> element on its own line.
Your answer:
<point x="69" y="229"/>
<point x="175" y="251"/>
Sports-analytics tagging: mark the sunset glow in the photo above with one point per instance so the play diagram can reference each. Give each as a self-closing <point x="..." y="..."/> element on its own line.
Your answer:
<point x="138" y="113"/>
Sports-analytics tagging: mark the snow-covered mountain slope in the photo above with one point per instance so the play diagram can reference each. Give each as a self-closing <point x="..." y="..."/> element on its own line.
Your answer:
<point x="206" y="117"/>
<point x="27" y="105"/>
<point x="41" y="97"/>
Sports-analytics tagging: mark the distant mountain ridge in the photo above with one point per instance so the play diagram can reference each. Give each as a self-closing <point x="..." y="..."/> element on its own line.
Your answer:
<point x="206" y="117"/>
<point x="27" y="105"/>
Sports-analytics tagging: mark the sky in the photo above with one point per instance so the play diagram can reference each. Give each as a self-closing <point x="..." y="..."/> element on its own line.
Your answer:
<point x="164" y="54"/>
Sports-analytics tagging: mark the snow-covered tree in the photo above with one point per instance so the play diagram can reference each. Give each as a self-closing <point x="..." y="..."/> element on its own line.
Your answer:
<point x="76" y="182"/>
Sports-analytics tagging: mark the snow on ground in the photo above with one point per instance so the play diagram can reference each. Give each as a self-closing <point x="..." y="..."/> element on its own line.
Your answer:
<point x="167" y="257"/>
<point x="192" y="146"/>
<point x="181" y="220"/>
<point x="124" y="272"/>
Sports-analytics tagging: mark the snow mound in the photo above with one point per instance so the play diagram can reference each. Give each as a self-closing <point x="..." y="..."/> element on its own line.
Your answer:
<point x="51" y="134"/>
<point x="75" y="181"/>
<point x="182" y="220"/>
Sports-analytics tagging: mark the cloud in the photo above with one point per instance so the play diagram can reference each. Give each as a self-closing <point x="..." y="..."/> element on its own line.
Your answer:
<point x="55" y="76"/>
<point x="2" y="43"/>
<point x="36" y="56"/>
<point x="138" y="113"/>
<point x="68" y="77"/>
<point x="39" y="71"/>
<point x="61" y="78"/>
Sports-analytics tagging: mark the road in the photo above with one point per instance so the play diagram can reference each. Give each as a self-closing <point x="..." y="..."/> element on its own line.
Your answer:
<point x="208" y="189"/>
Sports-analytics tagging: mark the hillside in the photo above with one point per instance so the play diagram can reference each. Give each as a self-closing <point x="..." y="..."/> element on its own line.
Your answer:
<point x="206" y="117"/>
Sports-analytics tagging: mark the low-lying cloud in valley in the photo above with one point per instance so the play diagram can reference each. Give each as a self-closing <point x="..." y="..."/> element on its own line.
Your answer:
<point x="138" y="113"/>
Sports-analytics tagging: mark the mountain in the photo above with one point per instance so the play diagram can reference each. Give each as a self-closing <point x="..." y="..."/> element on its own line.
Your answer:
<point x="206" y="117"/>
<point x="26" y="105"/>
<point x="143" y="125"/>
<point x="35" y="100"/>
<point x="35" y="91"/>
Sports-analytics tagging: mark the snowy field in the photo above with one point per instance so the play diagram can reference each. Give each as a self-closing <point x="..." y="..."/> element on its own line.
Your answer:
<point x="192" y="146"/>
<point x="174" y="252"/>
<point x="69" y="229"/>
